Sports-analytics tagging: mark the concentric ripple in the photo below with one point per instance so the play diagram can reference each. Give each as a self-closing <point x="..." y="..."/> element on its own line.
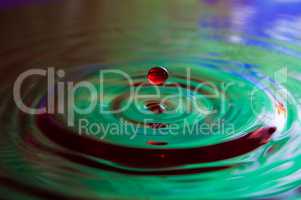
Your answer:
<point x="228" y="126"/>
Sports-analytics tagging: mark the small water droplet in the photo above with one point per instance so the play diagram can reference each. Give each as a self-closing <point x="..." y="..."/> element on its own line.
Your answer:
<point x="157" y="75"/>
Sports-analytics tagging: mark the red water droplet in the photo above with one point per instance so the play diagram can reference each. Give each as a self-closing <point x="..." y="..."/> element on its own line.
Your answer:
<point x="157" y="75"/>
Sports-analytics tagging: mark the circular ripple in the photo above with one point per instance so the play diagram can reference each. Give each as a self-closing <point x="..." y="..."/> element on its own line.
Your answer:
<point x="215" y="123"/>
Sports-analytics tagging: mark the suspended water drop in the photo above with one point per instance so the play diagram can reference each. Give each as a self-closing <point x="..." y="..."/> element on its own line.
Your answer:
<point x="157" y="75"/>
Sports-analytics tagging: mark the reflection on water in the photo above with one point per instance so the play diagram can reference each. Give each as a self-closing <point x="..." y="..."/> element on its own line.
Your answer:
<point x="254" y="44"/>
